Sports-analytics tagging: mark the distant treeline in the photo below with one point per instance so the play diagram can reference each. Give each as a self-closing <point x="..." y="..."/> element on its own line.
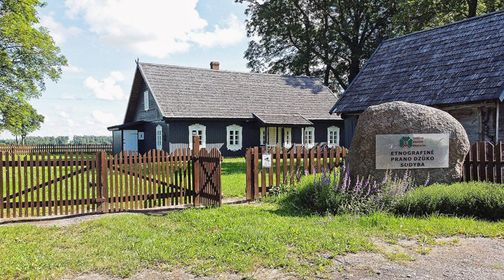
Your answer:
<point x="58" y="140"/>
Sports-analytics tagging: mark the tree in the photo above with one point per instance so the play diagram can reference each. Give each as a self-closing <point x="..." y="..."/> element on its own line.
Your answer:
<point x="28" y="55"/>
<point x="332" y="39"/>
<point x="22" y="119"/>
<point x="326" y="38"/>
<point x="420" y="14"/>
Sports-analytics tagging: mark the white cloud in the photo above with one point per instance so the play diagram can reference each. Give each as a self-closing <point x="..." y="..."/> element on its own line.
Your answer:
<point x="58" y="31"/>
<point x="156" y="28"/>
<point x="108" y="88"/>
<point x="63" y="114"/>
<point x="104" y="118"/>
<point x="65" y="117"/>
<point x="222" y="37"/>
<point x="72" y="69"/>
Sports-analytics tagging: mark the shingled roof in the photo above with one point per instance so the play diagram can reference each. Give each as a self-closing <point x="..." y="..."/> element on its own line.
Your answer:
<point x="184" y="92"/>
<point x="457" y="63"/>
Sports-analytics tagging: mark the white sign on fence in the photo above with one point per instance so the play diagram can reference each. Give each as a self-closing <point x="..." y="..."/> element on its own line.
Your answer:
<point x="412" y="151"/>
<point x="266" y="160"/>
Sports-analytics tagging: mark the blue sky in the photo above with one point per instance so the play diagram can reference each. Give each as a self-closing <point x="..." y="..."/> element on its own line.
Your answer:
<point x="101" y="40"/>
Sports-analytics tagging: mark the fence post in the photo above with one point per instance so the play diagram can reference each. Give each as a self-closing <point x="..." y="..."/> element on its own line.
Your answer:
<point x="102" y="189"/>
<point x="248" y="174"/>
<point x="255" y="171"/>
<point x="196" y="170"/>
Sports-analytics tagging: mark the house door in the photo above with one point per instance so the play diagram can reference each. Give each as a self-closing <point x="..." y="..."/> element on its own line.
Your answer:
<point x="272" y="136"/>
<point x="130" y="140"/>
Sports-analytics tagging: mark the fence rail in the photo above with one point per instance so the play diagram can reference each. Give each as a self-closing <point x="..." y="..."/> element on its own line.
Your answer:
<point x="55" y="149"/>
<point x="42" y="184"/>
<point x="287" y="166"/>
<point x="484" y="162"/>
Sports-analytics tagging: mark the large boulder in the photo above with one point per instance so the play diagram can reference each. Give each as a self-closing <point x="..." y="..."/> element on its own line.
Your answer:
<point x="406" y="118"/>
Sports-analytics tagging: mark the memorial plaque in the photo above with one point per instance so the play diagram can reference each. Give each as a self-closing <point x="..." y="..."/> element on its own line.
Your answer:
<point x="412" y="151"/>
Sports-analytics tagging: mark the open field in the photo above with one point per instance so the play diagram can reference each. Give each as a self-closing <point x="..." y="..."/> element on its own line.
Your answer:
<point x="207" y="241"/>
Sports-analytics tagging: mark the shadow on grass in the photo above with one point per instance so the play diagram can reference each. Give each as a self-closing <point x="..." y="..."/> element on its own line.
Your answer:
<point x="291" y="212"/>
<point x="288" y="207"/>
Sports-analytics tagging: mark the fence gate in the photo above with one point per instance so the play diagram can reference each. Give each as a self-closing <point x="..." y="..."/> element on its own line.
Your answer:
<point x="285" y="166"/>
<point x="45" y="185"/>
<point x="207" y="176"/>
<point x="76" y="183"/>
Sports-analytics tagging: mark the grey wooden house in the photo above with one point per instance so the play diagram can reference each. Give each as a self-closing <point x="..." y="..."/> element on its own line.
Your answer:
<point x="458" y="68"/>
<point x="228" y="110"/>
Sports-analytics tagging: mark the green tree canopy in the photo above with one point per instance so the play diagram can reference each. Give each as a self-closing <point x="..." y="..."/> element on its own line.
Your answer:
<point x="21" y="119"/>
<point x="332" y="39"/>
<point x="28" y="57"/>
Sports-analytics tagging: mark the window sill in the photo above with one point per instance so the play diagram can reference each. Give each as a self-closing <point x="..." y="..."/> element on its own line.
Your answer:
<point x="234" y="148"/>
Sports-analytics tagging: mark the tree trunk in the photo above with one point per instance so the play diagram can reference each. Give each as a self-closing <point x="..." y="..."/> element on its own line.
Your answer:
<point x="354" y="67"/>
<point x="327" y="74"/>
<point x="472" y="8"/>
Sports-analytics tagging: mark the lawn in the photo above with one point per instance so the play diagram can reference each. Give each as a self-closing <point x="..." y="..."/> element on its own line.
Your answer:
<point x="233" y="177"/>
<point x="237" y="238"/>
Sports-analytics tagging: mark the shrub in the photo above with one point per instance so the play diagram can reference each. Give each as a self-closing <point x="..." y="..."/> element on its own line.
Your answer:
<point x="335" y="193"/>
<point x="316" y="193"/>
<point x="474" y="199"/>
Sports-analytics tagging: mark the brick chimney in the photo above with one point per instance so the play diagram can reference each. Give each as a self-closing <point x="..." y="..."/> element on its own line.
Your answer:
<point x="214" y="65"/>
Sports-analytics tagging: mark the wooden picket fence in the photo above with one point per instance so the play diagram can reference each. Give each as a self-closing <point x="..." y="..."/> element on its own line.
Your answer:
<point x="287" y="166"/>
<point x="75" y="183"/>
<point x="55" y="149"/>
<point x="484" y="162"/>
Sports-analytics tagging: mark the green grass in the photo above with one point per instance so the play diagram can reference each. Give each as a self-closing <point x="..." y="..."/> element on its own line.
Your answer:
<point x="207" y="241"/>
<point x="233" y="177"/>
<point x="474" y="199"/>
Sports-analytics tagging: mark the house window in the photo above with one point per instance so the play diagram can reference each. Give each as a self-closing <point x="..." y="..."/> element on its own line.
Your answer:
<point x="146" y="100"/>
<point x="234" y="137"/>
<point x="309" y="137"/>
<point x="333" y="136"/>
<point x="287" y="137"/>
<point x="200" y="130"/>
<point x="262" y="135"/>
<point x="159" y="137"/>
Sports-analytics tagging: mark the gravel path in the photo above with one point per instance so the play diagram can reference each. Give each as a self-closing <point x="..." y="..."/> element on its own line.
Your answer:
<point x="467" y="258"/>
<point x="456" y="258"/>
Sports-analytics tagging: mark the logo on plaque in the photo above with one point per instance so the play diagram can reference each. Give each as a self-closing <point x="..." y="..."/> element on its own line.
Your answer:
<point x="406" y="141"/>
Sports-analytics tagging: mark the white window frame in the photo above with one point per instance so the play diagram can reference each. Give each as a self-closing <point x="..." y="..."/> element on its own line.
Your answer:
<point x="236" y="143"/>
<point x="287" y="137"/>
<point x="146" y="100"/>
<point x="262" y="136"/>
<point x="197" y="127"/>
<point x="335" y="130"/>
<point x="308" y="144"/>
<point x="159" y="137"/>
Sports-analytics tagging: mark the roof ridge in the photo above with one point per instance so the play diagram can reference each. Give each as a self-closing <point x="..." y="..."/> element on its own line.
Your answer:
<point x="444" y="26"/>
<point x="228" y="71"/>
